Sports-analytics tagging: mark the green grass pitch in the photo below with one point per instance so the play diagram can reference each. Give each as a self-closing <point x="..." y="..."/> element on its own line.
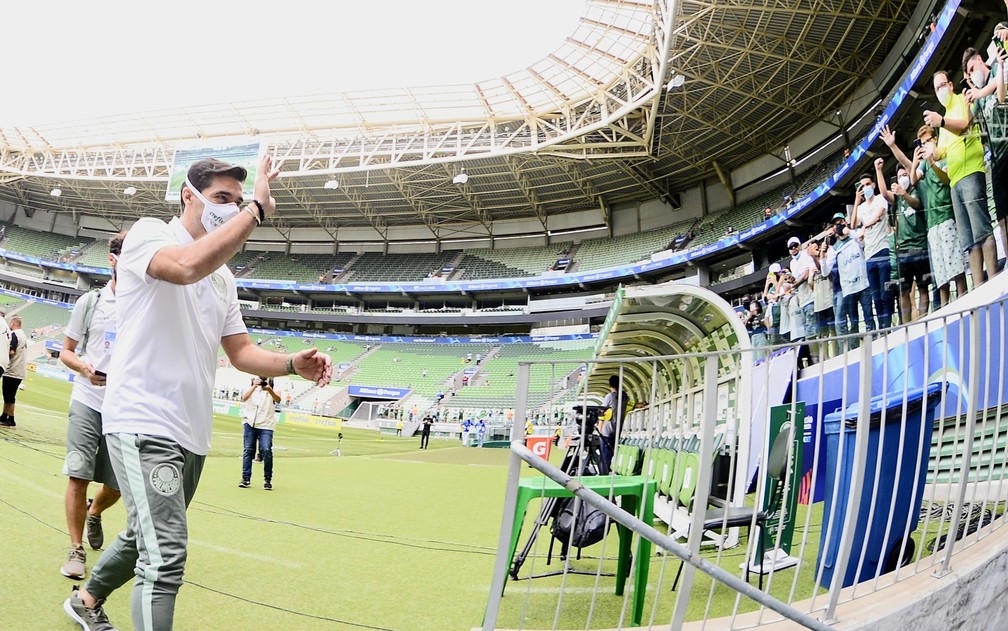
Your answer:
<point x="384" y="537"/>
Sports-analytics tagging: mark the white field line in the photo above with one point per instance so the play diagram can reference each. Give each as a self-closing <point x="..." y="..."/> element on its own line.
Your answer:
<point x="247" y="555"/>
<point x="10" y="477"/>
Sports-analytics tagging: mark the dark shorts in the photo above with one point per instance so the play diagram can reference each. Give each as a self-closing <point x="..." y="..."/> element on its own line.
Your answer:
<point x="10" y="389"/>
<point x="914" y="267"/>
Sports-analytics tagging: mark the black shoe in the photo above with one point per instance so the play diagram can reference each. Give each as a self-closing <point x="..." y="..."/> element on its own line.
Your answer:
<point x="244" y="484"/>
<point x="7" y="421"/>
<point x="268" y="485"/>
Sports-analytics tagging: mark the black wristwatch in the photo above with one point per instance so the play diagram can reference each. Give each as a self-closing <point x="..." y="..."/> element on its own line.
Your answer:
<point x="262" y="213"/>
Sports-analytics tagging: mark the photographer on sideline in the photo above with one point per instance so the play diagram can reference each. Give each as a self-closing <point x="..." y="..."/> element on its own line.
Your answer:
<point x="611" y="419"/>
<point x="260" y="422"/>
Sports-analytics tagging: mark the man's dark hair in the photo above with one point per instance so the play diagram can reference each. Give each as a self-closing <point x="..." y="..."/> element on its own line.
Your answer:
<point x="203" y="171"/>
<point x="614" y="381"/>
<point x="969" y="54"/>
<point x="115" y="244"/>
<point x="865" y="176"/>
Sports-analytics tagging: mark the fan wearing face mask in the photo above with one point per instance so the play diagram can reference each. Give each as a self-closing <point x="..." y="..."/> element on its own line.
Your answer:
<point x="960" y="145"/>
<point x="913" y="266"/>
<point x="871" y="215"/>
<point x="986" y="95"/>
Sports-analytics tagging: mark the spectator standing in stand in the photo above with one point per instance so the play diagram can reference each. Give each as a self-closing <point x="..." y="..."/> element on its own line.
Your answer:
<point x="912" y="260"/>
<point x="987" y="90"/>
<point x="871" y="215"/>
<point x="932" y="182"/>
<point x="848" y="258"/>
<point x="959" y="143"/>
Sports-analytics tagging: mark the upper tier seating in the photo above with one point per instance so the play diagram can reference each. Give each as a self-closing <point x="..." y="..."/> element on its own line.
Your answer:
<point x="44" y="245"/>
<point x="511" y="263"/>
<point x="302" y="268"/>
<point x="377" y="267"/>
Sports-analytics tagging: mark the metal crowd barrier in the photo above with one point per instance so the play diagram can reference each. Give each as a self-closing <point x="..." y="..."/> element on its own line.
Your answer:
<point x="911" y="484"/>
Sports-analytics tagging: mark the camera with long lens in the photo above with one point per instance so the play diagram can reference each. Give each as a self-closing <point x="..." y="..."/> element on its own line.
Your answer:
<point x="589" y="415"/>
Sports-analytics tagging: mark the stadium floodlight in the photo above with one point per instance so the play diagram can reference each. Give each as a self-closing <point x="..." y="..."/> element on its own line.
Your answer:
<point x="461" y="177"/>
<point x="56" y="192"/>
<point x="332" y="185"/>
<point x="129" y="191"/>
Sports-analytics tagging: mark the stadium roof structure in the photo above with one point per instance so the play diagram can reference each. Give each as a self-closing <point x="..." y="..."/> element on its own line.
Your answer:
<point x="643" y="100"/>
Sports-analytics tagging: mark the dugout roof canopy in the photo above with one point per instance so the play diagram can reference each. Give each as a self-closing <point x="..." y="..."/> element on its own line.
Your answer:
<point x="666" y="320"/>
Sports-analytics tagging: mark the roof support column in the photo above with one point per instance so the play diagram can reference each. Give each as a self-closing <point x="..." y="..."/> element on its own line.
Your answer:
<point x="725" y="181"/>
<point x="703" y="275"/>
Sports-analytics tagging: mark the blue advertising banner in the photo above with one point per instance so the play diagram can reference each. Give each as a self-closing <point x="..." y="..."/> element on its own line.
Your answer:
<point x="400" y="339"/>
<point x="939" y="354"/>
<point x="377" y="392"/>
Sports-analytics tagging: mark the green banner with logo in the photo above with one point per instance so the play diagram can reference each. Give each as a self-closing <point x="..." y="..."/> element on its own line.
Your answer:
<point x="781" y="420"/>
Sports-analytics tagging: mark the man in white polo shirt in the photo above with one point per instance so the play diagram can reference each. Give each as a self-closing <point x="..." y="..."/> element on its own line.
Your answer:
<point x="87" y="348"/>
<point x="176" y="303"/>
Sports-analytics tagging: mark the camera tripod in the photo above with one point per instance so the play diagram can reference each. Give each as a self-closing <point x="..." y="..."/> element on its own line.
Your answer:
<point x="339" y="446"/>
<point x="584" y="457"/>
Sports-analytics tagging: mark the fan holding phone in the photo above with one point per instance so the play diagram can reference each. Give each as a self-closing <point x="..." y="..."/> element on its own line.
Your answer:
<point x="959" y="142"/>
<point x="987" y="95"/>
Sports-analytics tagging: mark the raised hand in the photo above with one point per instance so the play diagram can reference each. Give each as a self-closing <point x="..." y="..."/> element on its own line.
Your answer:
<point x="887" y="136"/>
<point x="265" y="173"/>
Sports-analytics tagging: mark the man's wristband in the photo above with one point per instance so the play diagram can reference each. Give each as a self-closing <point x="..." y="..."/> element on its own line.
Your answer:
<point x="262" y="211"/>
<point x="942" y="122"/>
<point x="290" y="364"/>
<point x="254" y="215"/>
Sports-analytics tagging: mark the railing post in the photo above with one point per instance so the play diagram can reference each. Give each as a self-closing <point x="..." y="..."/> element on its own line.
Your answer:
<point x="976" y="384"/>
<point x="510" y="503"/>
<point x="702" y="492"/>
<point x="857" y="476"/>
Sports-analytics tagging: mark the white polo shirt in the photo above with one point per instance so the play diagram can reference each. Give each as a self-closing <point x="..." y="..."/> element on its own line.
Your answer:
<point x="161" y="377"/>
<point x="19" y="361"/>
<point x="101" y="339"/>
<point x="5" y="339"/>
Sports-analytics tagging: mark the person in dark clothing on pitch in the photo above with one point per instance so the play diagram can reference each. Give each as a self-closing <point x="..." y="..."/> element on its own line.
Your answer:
<point x="428" y="422"/>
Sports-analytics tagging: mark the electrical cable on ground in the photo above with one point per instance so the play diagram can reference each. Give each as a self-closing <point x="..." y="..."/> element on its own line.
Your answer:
<point x="359" y="625"/>
<point x="422" y="544"/>
<point x="210" y="508"/>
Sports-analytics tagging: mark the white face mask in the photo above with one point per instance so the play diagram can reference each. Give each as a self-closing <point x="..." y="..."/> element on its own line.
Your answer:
<point x="978" y="79"/>
<point x="214" y="215"/>
<point x="944" y="94"/>
<point x="904" y="181"/>
<point x="869" y="192"/>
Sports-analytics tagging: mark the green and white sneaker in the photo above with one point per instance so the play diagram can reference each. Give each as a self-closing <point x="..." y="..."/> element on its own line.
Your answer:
<point x="89" y="619"/>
